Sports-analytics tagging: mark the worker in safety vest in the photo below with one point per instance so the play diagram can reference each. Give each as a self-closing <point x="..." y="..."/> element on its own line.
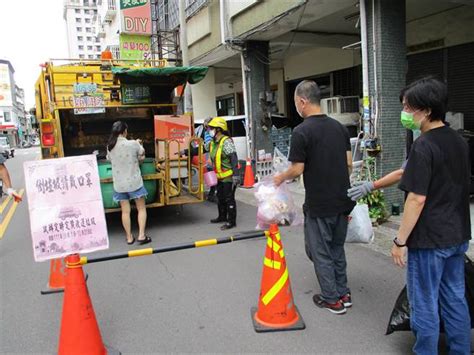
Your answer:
<point x="225" y="163"/>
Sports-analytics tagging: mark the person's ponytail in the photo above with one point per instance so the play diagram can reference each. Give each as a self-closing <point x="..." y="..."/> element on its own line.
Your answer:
<point x="117" y="128"/>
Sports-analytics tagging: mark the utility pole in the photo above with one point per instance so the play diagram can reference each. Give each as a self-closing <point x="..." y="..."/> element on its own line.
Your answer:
<point x="183" y="39"/>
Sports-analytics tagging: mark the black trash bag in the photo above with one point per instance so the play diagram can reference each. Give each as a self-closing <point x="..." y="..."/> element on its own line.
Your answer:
<point x="400" y="317"/>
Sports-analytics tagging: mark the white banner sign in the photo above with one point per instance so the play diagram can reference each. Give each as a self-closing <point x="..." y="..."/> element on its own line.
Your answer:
<point x="65" y="206"/>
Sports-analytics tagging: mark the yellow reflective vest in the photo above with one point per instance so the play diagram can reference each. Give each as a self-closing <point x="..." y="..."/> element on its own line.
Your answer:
<point x="220" y="172"/>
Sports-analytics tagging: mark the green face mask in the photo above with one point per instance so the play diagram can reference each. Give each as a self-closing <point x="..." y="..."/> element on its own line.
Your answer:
<point x="408" y="121"/>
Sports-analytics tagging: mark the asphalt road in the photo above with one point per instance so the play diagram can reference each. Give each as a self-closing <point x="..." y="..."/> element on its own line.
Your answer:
<point x="194" y="300"/>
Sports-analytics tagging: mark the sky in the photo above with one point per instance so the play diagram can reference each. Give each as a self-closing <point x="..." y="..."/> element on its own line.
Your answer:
<point x="31" y="32"/>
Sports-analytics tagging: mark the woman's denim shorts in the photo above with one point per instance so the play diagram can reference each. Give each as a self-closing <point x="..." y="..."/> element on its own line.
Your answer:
<point x="121" y="196"/>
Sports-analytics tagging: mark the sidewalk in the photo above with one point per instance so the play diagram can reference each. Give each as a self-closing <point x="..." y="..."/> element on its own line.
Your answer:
<point x="384" y="233"/>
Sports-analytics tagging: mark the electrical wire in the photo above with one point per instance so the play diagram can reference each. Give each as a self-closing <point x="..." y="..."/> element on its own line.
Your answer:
<point x="294" y="33"/>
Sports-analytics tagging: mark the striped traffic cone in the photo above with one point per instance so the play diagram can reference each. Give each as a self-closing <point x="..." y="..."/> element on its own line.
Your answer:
<point x="276" y="310"/>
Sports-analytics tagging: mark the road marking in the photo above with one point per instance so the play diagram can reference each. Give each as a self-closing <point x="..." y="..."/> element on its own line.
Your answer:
<point x="8" y="217"/>
<point x="4" y="204"/>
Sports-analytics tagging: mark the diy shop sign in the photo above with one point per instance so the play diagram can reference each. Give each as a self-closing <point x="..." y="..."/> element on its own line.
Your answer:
<point x="135" y="17"/>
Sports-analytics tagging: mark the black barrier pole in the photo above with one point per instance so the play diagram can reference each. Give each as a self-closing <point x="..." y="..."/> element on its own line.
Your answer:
<point x="196" y="244"/>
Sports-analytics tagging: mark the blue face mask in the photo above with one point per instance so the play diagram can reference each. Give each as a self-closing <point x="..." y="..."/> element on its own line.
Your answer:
<point x="212" y="133"/>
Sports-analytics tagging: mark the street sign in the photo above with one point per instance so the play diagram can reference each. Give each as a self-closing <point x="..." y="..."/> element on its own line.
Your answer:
<point x="65" y="207"/>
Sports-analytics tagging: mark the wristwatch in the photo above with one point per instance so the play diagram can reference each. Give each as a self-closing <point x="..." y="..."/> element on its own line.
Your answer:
<point x="397" y="243"/>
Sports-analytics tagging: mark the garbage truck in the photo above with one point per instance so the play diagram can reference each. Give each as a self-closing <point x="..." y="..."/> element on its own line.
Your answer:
<point x="77" y="101"/>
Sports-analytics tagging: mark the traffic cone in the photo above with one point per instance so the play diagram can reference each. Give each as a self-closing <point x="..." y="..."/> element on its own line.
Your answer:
<point x="57" y="277"/>
<point x="80" y="332"/>
<point x="276" y="310"/>
<point x="249" y="179"/>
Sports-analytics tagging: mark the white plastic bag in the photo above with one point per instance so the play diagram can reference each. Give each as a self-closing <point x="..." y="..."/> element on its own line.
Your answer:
<point x="359" y="229"/>
<point x="275" y="205"/>
<point x="280" y="161"/>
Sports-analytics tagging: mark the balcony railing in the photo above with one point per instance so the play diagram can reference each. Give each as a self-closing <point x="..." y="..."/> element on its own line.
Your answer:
<point x="193" y="6"/>
<point x="168" y="12"/>
<point x="115" y="51"/>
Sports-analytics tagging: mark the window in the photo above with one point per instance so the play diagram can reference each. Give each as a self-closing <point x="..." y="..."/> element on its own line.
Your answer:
<point x="80" y="38"/>
<point x="81" y="48"/>
<point x="88" y="29"/>
<point x="78" y="20"/>
<point x="89" y="48"/>
<point x="81" y="56"/>
<point x="88" y="20"/>
<point x="7" y="117"/>
<point x="90" y="56"/>
<point x="86" y="12"/>
<point x="225" y="106"/>
<point x="79" y="29"/>
<point x="89" y="39"/>
<point x="97" y="48"/>
<point x="98" y="56"/>
<point x="77" y="11"/>
<point x="237" y="128"/>
<point x="95" y="12"/>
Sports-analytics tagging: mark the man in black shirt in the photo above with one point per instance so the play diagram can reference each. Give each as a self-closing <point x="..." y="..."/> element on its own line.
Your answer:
<point x="321" y="151"/>
<point x="436" y="221"/>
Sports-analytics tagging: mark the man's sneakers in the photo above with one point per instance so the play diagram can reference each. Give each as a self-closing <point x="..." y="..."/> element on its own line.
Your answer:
<point x="336" y="308"/>
<point x="346" y="300"/>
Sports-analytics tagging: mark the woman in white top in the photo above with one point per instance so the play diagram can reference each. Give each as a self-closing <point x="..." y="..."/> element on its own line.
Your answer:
<point x="125" y="157"/>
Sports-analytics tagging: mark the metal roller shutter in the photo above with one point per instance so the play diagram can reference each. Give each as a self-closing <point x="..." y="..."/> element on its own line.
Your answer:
<point x="424" y="64"/>
<point x="461" y="82"/>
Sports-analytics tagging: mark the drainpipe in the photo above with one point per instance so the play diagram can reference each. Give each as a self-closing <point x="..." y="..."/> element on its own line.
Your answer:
<point x="225" y="37"/>
<point x="365" y="67"/>
<point x="246" y="105"/>
<point x="183" y="40"/>
<point x="223" y="20"/>
<point x="375" y="105"/>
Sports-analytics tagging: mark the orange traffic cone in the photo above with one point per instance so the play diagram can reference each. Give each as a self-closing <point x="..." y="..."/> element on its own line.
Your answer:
<point x="276" y="310"/>
<point x="249" y="179"/>
<point x="80" y="332"/>
<point x="57" y="277"/>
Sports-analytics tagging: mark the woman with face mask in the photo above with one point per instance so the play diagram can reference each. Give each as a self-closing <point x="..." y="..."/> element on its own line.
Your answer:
<point x="362" y="189"/>
<point x="435" y="227"/>
<point x="225" y="163"/>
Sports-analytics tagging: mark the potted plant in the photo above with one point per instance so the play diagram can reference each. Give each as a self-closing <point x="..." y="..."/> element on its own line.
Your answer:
<point x="376" y="199"/>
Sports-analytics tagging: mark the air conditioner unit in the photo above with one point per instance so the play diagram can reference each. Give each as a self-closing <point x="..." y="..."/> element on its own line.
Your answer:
<point x="345" y="109"/>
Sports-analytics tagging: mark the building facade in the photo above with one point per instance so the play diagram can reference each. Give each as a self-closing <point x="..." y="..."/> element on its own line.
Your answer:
<point x="107" y="26"/>
<point x="81" y="32"/>
<point x="12" y="105"/>
<point x="258" y="50"/>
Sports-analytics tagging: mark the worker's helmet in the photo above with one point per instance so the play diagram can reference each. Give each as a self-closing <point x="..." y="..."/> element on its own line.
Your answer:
<point x="218" y="122"/>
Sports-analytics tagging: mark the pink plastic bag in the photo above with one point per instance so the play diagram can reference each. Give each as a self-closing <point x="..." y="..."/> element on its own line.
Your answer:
<point x="275" y="205"/>
<point x="210" y="178"/>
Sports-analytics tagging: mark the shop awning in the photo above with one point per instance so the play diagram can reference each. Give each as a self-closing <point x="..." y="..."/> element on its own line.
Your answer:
<point x="170" y="75"/>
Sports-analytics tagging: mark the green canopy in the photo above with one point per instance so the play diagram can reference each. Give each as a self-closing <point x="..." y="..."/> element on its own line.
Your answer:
<point x="169" y="75"/>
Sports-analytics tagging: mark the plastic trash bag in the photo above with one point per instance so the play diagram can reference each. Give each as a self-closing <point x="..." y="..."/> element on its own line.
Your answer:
<point x="280" y="161"/>
<point x="275" y="205"/>
<point x="359" y="228"/>
<point x="400" y="317"/>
